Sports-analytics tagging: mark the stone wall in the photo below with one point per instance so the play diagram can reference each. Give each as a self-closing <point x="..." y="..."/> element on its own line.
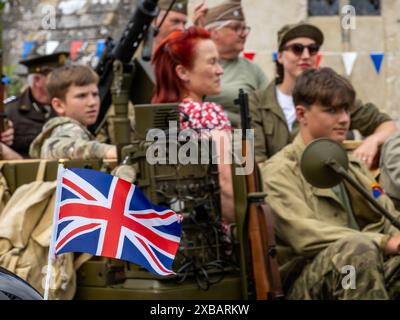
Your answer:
<point x="62" y="21"/>
<point x="96" y="19"/>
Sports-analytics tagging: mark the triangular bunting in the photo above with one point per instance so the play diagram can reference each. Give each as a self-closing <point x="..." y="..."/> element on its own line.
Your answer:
<point x="377" y="60"/>
<point x="5" y="80"/>
<point x="75" y="46"/>
<point x="28" y="46"/>
<point x="249" y="55"/>
<point x="349" y="58"/>
<point x="100" y="46"/>
<point x="51" y="46"/>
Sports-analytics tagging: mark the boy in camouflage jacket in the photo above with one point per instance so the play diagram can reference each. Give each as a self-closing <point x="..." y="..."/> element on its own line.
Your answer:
<point x="75" y="97"/>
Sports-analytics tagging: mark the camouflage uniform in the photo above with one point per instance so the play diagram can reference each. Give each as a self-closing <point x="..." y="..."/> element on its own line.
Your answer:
<point x="323" y="277"/>
<point x="63" y="137"/>
<point x="316" y="238"/>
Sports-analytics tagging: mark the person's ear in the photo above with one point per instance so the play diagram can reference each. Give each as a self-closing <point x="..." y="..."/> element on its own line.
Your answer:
<point x="182" y="73"/>
<point x="301" y="114"/>
<point x="58" y="106"/>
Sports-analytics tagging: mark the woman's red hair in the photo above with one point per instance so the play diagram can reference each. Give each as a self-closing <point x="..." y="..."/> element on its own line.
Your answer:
<point x="177" y="48"/>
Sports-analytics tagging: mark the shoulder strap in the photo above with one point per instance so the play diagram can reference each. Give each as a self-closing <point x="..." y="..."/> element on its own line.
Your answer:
<point x="41" y="170"/>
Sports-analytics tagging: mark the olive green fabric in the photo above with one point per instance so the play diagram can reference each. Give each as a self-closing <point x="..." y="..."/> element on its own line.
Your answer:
<point x="328" y="275"/>
<point x="309" y="219"/>
<point x="238" y="74"/>
<point x="341" y="192"/>
<point x="271" y="132"/>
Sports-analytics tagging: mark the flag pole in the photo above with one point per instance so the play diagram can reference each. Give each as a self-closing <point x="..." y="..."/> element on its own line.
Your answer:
<point x="51" y="256"/>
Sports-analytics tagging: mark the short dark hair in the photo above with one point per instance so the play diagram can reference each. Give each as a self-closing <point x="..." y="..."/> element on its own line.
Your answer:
<point x="324" y="87"/>
<point x="60" y="79"/>
<point x="280" y="72"/>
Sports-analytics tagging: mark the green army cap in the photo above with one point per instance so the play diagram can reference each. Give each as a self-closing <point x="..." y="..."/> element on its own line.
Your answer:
<point x="179" y="6"/>
<point x="227" y="10"/>
<point x="297" y="30"/>
<point x="45" y="63"/>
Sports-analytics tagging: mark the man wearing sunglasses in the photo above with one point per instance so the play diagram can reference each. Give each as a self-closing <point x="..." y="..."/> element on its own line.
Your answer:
<point x="227" y="25"/>
<point x="273" y="111"/>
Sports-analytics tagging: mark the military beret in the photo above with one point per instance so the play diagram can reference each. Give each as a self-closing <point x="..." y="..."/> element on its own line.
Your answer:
<point x="297" y="30"/>
<point x="179" y="5"/>
<point x="227" y="10"/>
<point x="45" y="63"/>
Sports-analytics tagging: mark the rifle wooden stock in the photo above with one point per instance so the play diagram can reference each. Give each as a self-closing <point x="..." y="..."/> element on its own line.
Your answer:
<point x="260" y="224"/>
<point x="256" y="245"/>
<point x="262" y="242"/>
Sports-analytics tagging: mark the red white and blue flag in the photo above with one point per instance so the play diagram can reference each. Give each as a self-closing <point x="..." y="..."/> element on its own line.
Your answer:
<point x="107" y="216"/>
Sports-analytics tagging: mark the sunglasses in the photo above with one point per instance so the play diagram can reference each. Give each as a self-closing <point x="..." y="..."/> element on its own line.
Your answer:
<point x="298" y="48"/>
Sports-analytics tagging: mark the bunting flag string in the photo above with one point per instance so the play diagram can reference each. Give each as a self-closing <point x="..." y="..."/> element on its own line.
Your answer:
<point x="348" y="58"/>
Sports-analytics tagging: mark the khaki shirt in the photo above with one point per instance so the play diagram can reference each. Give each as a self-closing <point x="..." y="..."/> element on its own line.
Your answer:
<point x="309" y="219"/>
<point x="271" y="132"/>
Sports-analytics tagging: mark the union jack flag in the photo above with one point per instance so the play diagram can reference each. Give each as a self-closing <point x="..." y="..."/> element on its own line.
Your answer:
<point x="107" y="216"/>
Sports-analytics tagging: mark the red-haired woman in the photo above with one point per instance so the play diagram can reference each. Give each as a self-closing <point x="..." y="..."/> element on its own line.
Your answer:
<point x="187" y="69"/>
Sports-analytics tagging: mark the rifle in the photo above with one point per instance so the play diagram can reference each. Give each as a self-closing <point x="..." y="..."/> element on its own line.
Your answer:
<point x="260" y="223"/>
<point x="123" y="51"/>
